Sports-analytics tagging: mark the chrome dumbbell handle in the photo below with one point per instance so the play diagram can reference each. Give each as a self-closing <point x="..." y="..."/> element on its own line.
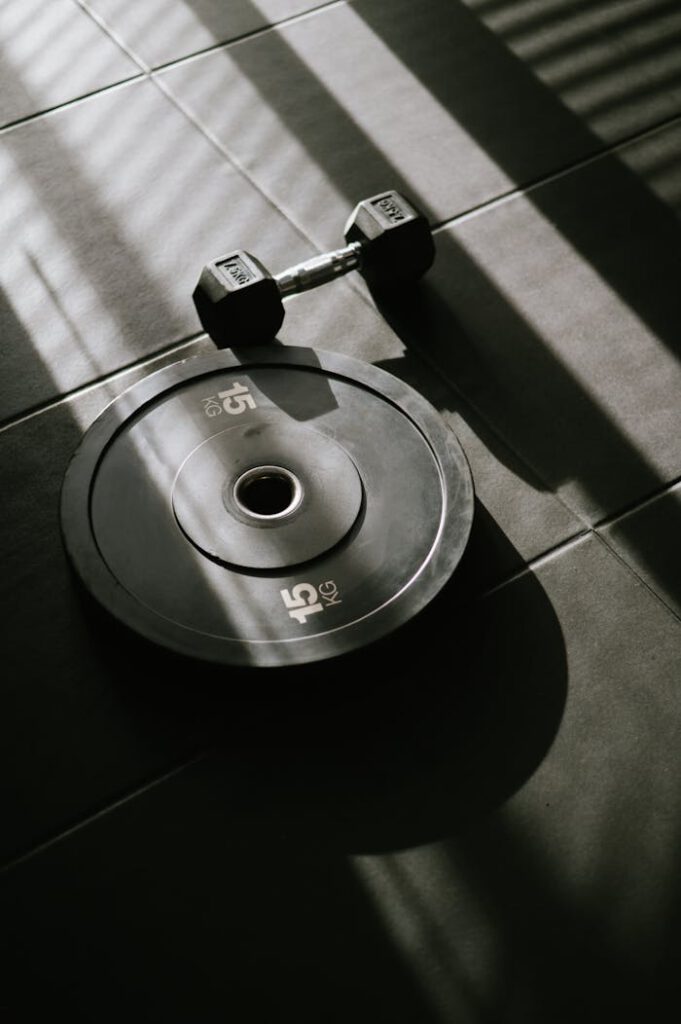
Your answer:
<point x="319" y="270"/>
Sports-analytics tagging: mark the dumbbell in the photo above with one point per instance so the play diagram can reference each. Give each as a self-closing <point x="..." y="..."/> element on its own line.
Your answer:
<point x="240" y="303"/>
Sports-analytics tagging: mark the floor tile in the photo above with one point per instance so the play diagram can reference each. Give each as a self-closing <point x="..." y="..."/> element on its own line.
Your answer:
<point x="647" y="539"/>
<point x="425" y="97"/>
<point x="180" y="901"/>
<point x="556" y="314"/>
<point x="580" y="866"/>
<point x="104" y="233"/>
<point x="616" y="66"/>
<point x="53" y="53"/>
<point x="160" y="31"/>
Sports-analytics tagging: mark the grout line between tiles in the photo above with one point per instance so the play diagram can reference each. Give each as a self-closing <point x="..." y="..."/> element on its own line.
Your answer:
<point x="112" y="34"/>
<point x="566" y="545"/>
<point x="546" y="179"/>
<point x="636" y="505"/>
<point x="106" y="378"/>
<point x="117" y="38"/>
<point x="96" y="815"/>
<point x="637" y="576"/>
<point x="150" y="75"/>
<point x="215" y="142"/>
<point x="262" y="30"/>
<point x="538" y="561"/>
<point x="75" y="102"/>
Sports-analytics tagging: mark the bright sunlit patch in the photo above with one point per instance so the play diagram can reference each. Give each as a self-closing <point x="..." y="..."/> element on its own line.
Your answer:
<point x="603" y="345"/>
<point x="109" y="210"/>
<point x="657" y="161"/>
<point x="52" y="53"/>
<point x="305" y="107"/>
<point x="37" y="273"/>
<point x="354" y="63"/>
<point x="29" y="28"/>
<point x="442" y="932"/>
<point x="614" y="65"/>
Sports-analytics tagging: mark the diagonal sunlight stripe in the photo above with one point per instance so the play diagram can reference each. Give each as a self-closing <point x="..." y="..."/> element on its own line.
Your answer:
<point x="54" y="54"/>
<point x="430" y="915"/>
<point x="182" y="22"/>
<point x="564" y="275"/>
<point x="157" y="80"/>
<point x="609" y="63"/>
<point x="373" y="63"/>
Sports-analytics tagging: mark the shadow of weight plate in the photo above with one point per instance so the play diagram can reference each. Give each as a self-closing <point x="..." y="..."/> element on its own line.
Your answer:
<point x="268" y="507"/>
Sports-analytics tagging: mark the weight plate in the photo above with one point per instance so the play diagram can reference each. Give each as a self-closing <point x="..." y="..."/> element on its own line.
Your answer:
<point x="266" y="494"/>
<point x="277" y="510"/>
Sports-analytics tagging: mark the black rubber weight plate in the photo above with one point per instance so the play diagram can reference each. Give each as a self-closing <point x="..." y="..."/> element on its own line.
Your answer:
<point x="281" y="509"/>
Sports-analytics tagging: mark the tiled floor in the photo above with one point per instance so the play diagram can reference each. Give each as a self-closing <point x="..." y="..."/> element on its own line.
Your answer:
<point x="492" y="833"/>
<point x="52" y="54"/>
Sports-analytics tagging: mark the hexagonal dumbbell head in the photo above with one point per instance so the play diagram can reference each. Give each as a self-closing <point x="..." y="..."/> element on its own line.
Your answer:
<point x="238" y="301"/>
<point x="397" y="246"/>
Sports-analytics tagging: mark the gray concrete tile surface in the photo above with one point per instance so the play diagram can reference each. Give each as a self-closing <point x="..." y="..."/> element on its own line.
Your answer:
<point x="53" y="53"/>
<point x="71" y="739"/>
<point x="104" y="234"/>
<point x="556" y="314"/>
<point x="647" y="538"/>
<point x="578" y="867"/>
<point x="424" y="97"/>
<point x="616" y="66"/>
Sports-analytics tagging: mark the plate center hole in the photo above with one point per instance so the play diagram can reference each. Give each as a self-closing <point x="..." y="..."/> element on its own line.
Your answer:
<point x="268" y="492"/>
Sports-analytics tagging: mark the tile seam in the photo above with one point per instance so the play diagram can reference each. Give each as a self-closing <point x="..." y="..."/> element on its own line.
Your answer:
<point x="150" y="72"/>
<point x="151" y="75"/>
<point x="92" y="385"/>
<point x="537" y="561"/>
<point x="632" y="571"/>
<point x="232" y="161"/>
<point x="635" y="507"/>
<point x="76" y="101"/>
<point x="126" y="798"/>
<point x="245" y="36"/>
<point x="527" y="188"/>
